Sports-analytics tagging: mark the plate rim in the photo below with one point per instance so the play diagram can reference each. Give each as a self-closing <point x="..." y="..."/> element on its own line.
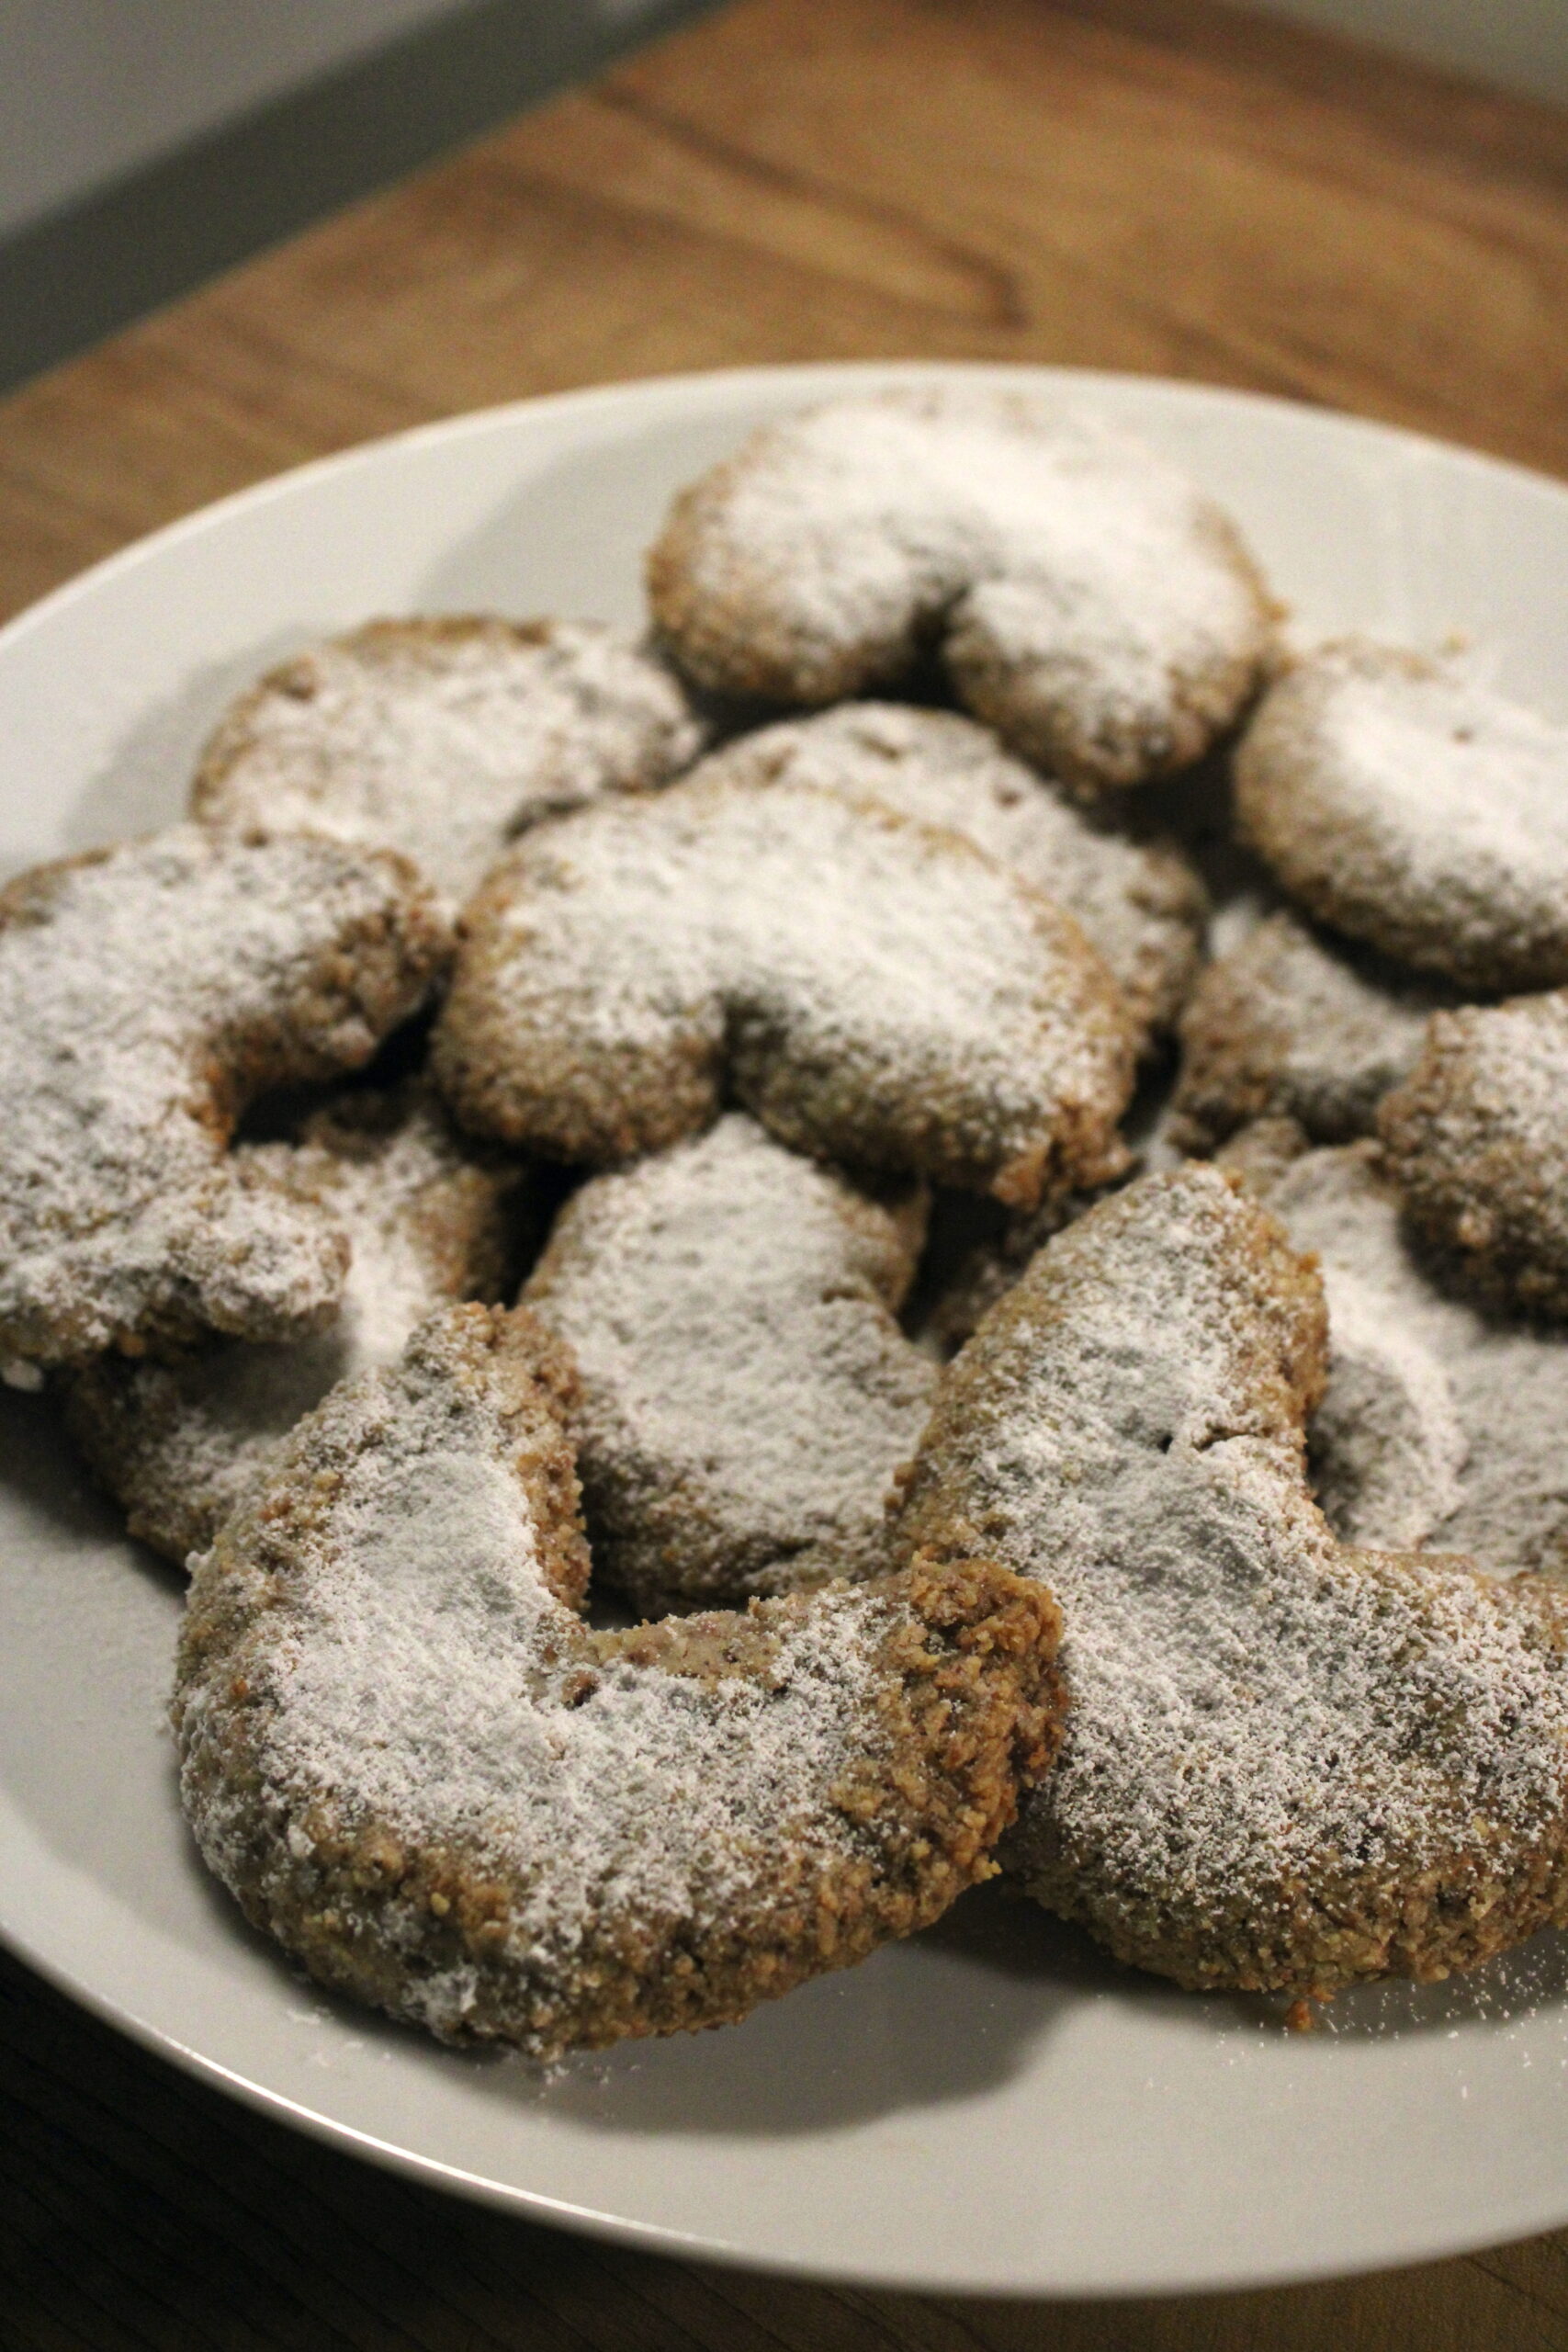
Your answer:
<point x="1414" y="2250"/>
<point x="689" y="383"/>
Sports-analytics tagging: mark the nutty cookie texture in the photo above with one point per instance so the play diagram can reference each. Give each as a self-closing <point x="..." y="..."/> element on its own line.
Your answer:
<point x="1477" y="1139"/>
<point x="1401" y="802"/>
<point x="1086" y="600"/>
<point x="873" y="990"/>
<point x="748" y="1398"/>
<point x="1441" y="1426"/>
<point x="429" y="1221"/>
<point x="1286" y="1025"/>
<point x="1141" y="904"/>
<point x="1288" y="1765"/>
<point x="414" y="1764"/>
<point x="444" y="736"/>
<point x="147" y="994"/>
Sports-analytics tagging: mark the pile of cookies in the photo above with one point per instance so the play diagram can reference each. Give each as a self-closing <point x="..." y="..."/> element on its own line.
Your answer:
<point x="1058" y="1376"/>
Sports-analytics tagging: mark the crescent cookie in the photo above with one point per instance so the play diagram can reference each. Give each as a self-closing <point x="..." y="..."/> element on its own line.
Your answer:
<point x="873" y="992"/>
<point x="428" y="1223"/>
<point x="748" y="1398"/>
<point x="1477" y="1139"/>
<point x="147" y="994"/>
<point x="1143" y="906"/>
<point x="1288" y="1765"/>
<point x="1440" y="1426"/>
<point x="444" y="736"/>
<point x="1086" y="600"/>
<point x="1289" y="1026"/>
<point x="414" y="1763"/>
<point x="1401" y="802"/>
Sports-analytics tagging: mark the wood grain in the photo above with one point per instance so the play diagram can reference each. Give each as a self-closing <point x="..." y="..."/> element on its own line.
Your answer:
<point x="1150" y="184"/>
<point x="1160" y="185"/>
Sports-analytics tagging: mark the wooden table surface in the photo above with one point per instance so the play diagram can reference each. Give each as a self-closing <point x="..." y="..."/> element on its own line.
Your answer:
<point x="1159" y="185"/>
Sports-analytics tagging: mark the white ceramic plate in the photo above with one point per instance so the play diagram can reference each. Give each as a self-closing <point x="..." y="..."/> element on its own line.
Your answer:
<point x="993" y="2107"/>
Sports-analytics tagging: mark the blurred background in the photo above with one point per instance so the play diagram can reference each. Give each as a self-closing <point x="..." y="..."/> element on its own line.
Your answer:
<point x="145" y="144"/>
<point x="1519" y="44"/>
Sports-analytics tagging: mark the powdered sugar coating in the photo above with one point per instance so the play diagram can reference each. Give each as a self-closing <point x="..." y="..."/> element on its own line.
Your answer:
<point x="1088" y="602"/>
<point x="427" y="1221"/>
<point x="1406" y="804"/>
<point x="444" y="738"/>
<point x="747" y="1397"/>
<point x="1142" y="905"/>
<point x="1441" y="1425"/>
<point x="1477" y="1139"/>
<point x="411" y="1762"/>
<point x="1287" y="1024"/>
<point x="1287" y="1765"/>
<point x="873" y="991"/>
<point x="1386" y="1445"/>
<point x="146" y="993"/>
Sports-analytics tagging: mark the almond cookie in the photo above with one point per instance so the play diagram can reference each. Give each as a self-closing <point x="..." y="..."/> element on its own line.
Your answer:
<point x="428" y="1222"/>
<point x="1086" y="599"/>
<point x="1403" y="803"/>
<point x="1477" y="1139"/>
<point x="414" y="1764"/>
<point x="1440" y="1426"/>
<point x="748" y="1397"/>
<point x="147" y="994"/>
<point x="875" y="991"/>
<point x="444" y="736"/>
<point x="1142" y="905"/>
<point x="1287" y="1025"/>
<point x="1288" y="1765"/>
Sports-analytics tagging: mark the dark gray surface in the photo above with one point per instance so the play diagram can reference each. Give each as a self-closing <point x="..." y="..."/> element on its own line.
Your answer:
<point x="82" y="272"/>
